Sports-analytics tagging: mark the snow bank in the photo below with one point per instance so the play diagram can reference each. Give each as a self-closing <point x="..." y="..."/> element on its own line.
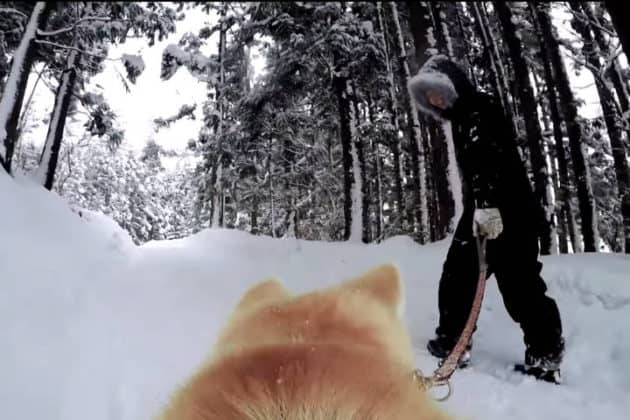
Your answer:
<point x="94" y="327"/>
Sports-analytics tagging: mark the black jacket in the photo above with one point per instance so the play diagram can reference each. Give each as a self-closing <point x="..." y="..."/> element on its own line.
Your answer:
<point x="492" y="171"/>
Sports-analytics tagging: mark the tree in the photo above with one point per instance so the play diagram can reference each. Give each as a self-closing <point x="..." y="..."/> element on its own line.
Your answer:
<point x="50" y="155"/>
<point x="617" y="12"/>
<point x="574" y="132"/>
<point x="415" y="138"/>
<point x="611" y="117"/>
<point x="90" y="28"/>
<point x="532" y="125"/>
<point x="566" y="220"/>
<point x="392" y="109"/>
<point x="14" y="89"/>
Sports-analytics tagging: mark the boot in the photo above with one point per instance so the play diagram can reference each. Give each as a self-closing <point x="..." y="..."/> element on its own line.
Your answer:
<point x="441" y="347"/>
<point x="543" y="367"/>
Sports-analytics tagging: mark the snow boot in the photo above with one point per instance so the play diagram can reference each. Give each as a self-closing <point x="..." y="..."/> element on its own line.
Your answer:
<point x="441" y="347"/>
<point x="545" y="368"/>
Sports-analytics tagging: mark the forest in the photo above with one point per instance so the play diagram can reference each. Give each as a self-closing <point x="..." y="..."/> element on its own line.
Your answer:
<point x="326" y="143"/>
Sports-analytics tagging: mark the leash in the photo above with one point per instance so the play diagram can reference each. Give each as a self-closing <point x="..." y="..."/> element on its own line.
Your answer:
<point x="441" y="377"/>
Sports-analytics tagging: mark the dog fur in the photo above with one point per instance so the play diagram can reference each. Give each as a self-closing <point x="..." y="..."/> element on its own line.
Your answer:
<point x="337" y="354"/>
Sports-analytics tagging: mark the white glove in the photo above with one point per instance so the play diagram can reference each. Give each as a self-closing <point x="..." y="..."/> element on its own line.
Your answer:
<point x="487" y="222"/>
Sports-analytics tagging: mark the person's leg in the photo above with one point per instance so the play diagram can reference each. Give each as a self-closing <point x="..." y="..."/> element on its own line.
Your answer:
<point x="515" y="262"/>
<point x="456" y="289"/>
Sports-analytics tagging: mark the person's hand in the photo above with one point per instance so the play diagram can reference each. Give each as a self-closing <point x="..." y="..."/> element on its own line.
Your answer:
<point x="488" y="223"/>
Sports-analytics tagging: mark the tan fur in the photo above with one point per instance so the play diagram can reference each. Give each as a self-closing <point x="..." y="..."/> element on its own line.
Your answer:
<point x="338" y="354"/>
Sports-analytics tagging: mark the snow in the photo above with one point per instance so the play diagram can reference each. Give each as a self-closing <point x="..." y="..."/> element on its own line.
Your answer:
<point x="9" y="95"/>
<point x="93" y="324"/>
<point x="368" y="27"/>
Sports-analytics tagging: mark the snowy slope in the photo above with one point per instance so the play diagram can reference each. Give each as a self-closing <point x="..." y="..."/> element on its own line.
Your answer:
<point x="93" y="327"/>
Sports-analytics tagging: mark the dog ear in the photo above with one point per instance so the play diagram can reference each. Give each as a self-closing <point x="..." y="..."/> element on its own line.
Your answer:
<point x="263" y="294"/>
<point x="383" y="284"/>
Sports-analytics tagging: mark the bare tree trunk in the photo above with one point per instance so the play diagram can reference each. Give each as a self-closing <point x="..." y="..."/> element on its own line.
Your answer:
<point x="440" y="30"/>
<point x="253" y="215"/>
<point x="558" y="244"/>
<point x="532" y="127"/>
<point x="615" y="71"/>
<point x="420" y="24"/>
<point x="50" y="154"/>
<point x="574" y="132"/>
<point x="339" y="84"/>
<point x="563" y="195"/>
<point x="360" y="174"/>
<point x="415" y="139"/>
<point x="14" y="90"/>
<point x="378" y="165"/>
<point x="393" y="112"/>
<point x="611" y="118"/>
<point x="218" y="200"/>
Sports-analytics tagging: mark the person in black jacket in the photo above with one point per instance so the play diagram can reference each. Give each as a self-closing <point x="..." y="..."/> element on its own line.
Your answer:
<point x="499" y="204"/>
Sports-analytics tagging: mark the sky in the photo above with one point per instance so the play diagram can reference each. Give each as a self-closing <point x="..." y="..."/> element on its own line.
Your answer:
<point x="150" y="97"/>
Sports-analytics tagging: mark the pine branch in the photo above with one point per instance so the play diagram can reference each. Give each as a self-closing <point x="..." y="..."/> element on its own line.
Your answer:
<point x="68" y="47"/>
<point x="13" y="11"/>
<point x="74" y="26"/>
<point x="586" y="19"/>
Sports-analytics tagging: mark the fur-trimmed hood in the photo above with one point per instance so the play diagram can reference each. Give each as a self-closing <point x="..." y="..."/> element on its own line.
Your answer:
<point x="442" y="75"/>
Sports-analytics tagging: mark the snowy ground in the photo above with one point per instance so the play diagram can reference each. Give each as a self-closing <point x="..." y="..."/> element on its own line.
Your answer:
<point x="93" y="327"/>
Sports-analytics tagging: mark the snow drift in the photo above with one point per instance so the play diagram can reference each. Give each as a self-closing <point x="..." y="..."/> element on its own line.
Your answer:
<point x="95" y="327"/>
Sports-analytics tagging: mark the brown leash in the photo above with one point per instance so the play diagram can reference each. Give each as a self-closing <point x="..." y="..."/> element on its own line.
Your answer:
<point x="441" y="377"/>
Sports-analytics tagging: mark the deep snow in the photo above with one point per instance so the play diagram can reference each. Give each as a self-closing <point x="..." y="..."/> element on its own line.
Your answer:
<point x="93" y="327"/>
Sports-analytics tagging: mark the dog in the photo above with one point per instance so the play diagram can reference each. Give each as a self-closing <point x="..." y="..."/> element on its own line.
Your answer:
<point x="340" y="353"/>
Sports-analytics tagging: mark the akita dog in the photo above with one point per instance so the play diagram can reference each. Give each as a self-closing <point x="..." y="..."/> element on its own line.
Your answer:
<point x="337" y="354"/>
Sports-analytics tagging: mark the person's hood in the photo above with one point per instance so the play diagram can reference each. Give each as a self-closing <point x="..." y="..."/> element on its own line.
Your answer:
<point x="442" y="75"/>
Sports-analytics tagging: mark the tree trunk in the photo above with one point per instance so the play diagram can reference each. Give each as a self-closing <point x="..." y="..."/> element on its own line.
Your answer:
<point x="339" y="84"/>
<point x="378" y="165"/>
<point x="254" y="215"/>
<point x="50" y="155"/>
<point x="558" y="244"/>
<point x="563" y="193"/>
<point x="419" y="25"/>
<point x="454" y="33"/>
<point x="423" y="22"/>
<point x="574" y="132"/>
<point x="466" y="34"/>
<point x="392" y="106"/>
<point x="440" y="30"/>
<point x="415" y="139"/>
<point x="217" y="213"/>
<point x="13" y="93"/>
<point x="431" y="174"/>
<point x="532" y="127"/>
<point x="611" y="118"/>
<point x="618" y="15"/>
<point x="379" y="191"/>
<point x="361" y="184"/>
<point x="615" y="71"/>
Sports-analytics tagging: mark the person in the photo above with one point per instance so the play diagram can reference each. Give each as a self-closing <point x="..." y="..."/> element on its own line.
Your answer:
<point x="499" y="203"/>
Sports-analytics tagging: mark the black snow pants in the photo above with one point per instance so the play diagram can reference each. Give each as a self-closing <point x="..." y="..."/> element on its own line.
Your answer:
<point x="513" y="259"/>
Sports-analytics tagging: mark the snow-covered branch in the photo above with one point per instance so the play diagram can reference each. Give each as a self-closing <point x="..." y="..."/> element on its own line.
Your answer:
<point x="68" y="47"/>
<point x="13" y="11"/>
<point x="74" y="26"/>
<point x="584" y="18"/>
